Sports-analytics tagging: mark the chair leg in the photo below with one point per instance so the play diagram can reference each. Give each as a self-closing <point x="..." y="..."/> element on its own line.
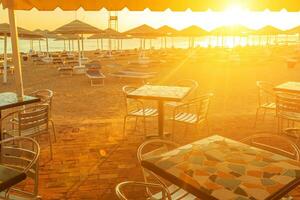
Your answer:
<point x="124" y="126"/>
<point x="50" y="143"/>
<point x="256" y="117"/>
<point x="145" y="132"/>
<point x="53" y="129"/>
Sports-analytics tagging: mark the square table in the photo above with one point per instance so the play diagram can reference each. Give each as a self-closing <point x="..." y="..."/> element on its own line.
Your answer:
<point x="220" y="168"/>
<point x="10" y="177"/>
<point x="160" y="94"/>
<point x="289" y="87"/>
<point x="11" y="100"/>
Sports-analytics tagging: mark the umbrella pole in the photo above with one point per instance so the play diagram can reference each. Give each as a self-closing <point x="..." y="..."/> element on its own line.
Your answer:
<point x="165" y="42"/>
<point x="5" y="60"/>
<point x="69" y="46"/>
<point x="172" y="42"/>
<point x="109" y="45"/>
<point x="101" y="44"/>
<point x="64" y="45"/>
<point x="97" y="44"/>
<point x="15" y="50"/>
<point x="73" y="45"/>
<point x="47" y="46"/>
<point x="79" y="56"/>
<point x="40" y="47"/>
<point x="82" y="46"/>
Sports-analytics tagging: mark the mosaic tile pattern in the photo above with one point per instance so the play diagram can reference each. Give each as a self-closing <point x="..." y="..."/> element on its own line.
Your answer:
<point x="226" y="169"/>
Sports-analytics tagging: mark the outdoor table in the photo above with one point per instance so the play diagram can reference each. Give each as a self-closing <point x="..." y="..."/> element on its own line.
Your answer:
<point x="10" y="177"/>
<point x="10" y="100"/>
<point x="160" y="94"/>
<point x="220" y="168"/>
<point x="288" y="87"/>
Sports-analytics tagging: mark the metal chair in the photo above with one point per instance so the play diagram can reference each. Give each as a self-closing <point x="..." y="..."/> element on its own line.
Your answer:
<point x="137" y="109"/>
<point x="152" y="148"/>
<point x="21" y="154"/>
<point x="288" y="109"/>
<point x="192" y="94"/>
<point x="266" y="98"/>
<point x="120" y="189"/>
<point x="271" y="142"/>
<point x="46" y="97"/>
<point x="30" y="122"/>
<point x="193" y="112"/>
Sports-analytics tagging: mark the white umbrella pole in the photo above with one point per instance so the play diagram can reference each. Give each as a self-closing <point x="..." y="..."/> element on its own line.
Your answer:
<point x="97" y="44"/>
<point x="40" y="46"/>
<point x="82" y="46"/>
<point x="165" y="42"/>
<point x="79" y="59"/>
<point x="47" y="46"/>
<point x="72" y="45"/>
<point x="5" y="60"/>
<point x="102" y="44"/>
<point x="69" y="46"/>
<point x="64" y="45"/>
<point x="16" y="54"/>
<point x="109" y="44"/>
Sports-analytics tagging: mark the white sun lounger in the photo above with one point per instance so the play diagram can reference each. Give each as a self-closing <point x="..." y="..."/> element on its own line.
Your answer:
<point x="132" y="75"/>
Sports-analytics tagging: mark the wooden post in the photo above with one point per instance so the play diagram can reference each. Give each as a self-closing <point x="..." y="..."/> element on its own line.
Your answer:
<point x="82" y="46"/>
<point x="97" y="44"/>
<point x="5" y="60"/>
<point x="47" y="46"/>
<point x="16" y="54"/>
<point x="79" y="56"/>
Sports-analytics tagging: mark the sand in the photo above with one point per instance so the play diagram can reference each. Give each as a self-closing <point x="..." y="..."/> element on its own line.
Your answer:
<point x="89" y="119"/>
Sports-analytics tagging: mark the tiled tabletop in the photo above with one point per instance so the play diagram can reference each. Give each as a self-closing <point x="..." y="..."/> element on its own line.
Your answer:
<point x="9" y="100"/>
<point x="156" y="92"/>
<point x="293" y="87"/>
<point x="221" y="168"/>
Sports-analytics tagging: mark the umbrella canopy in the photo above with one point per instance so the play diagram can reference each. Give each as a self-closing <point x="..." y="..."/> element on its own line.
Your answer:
<point x="154" y="5"/>
<point x="143" y="31"/>
<point x="108" y="33"/>
<point x="45" y="33"/>
<point x="68" y="37"/>
<point x="231" y="30"/>
<point x="192" y="31"/>
<point x="24" y="33"/>
<point x="293" y="30"/>
<point x="76" y="27"/>
<point x="167" y="31"/>
<point x="268" y="30"/>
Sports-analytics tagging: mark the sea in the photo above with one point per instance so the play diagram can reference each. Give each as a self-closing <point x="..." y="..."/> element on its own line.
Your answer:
<point x="176" y="42"/>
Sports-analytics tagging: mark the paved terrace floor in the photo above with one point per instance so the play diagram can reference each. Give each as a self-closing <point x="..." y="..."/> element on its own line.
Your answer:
<point x="90" y="159"/>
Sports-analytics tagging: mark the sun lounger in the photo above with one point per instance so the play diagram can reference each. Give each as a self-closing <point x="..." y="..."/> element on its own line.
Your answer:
<point x="65" y="70"/>
<point x="96" y="77"/>
<point x="132" y="75"/>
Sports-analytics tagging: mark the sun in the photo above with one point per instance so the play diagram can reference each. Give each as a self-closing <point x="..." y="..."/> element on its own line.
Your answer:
<point x="234" y="14"/>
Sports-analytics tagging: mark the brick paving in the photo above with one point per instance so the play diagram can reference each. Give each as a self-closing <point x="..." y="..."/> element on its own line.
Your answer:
<point x="90" y="159"/>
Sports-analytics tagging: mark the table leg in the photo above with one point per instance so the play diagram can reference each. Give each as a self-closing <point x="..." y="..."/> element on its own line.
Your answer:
<point x="161" y="118"/>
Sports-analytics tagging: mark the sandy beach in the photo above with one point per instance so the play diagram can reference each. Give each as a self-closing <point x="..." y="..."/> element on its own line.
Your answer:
<point x="89" y="156"/>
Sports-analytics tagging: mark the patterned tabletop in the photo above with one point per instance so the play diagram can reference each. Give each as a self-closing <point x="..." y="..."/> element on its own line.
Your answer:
<point x="158" y="92"/>
<point x="293" y="87"/>
<point x="9" y="177"/>
<point x="221" y="168"/>
<point x="9" y="100"/>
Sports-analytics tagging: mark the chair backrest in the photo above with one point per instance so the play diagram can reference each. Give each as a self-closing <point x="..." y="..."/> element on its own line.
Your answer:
<point x="130" y="104"/>
<point x="33" y="118"/>
<point x="130" y="184"/>
<point x="189" y="83"/>
<point x="22" y="154"/>
<point x="274" y="143"/>
<point x="265" y="92"/>
<point x="46" y="97"/>
<point x="149" y="149"/>
<point x="287" y="105"/>
<point x="199" y="106"/>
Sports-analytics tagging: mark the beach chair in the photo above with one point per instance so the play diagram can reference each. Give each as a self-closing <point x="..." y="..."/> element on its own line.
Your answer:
<point x="21" y="154"/>
<point x="133" y="75"/>
<point x="65" y="70"/>
<point x="96" y="76"/>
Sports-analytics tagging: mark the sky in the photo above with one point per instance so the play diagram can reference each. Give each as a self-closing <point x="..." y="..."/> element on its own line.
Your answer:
<point x="127" y="19"/>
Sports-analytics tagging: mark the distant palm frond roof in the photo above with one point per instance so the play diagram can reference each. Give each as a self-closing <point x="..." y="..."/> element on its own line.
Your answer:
<point x="68" y="37"/>
<point x="192" y="31"/>
<point x="143" y="31"/>
<point x="45" y="33"/>
<point x="77" y="27"/>
<point x="269" y="30"/>
<point x="231" y="30"/>
<point x="167" y="30"/>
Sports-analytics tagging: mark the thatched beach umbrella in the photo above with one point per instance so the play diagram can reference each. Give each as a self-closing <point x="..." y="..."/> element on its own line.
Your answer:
<point x="77" y="27"/>
<point x="5" y="32"/>
<point x="269" y="31"/>
<point x="167" y="31"/>
<point x="155" y="5"/>
<point x="191" y="32"/>
<point x="107" y="34"/>
<point x="143" y="32"/>
<point x="231" y="30"/>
